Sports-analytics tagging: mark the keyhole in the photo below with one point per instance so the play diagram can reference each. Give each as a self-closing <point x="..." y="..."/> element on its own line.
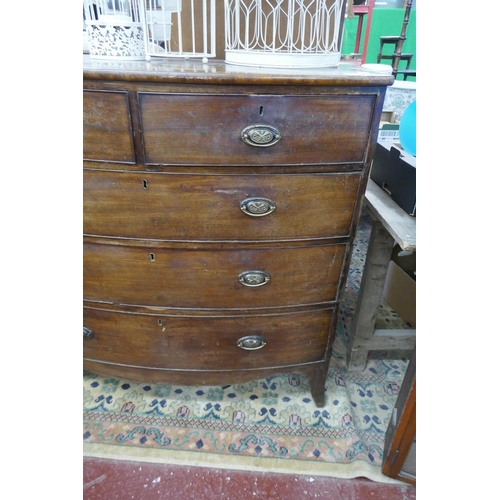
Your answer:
<point x="152" y="257"/>
<point x="261" y="110"/>
<point x="160" y="322"/>
<point x="144" y="183"/>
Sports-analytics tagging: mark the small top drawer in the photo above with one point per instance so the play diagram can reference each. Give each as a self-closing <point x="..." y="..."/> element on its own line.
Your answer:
<point x="107" y="127"/>
<point x="193" y="129"/>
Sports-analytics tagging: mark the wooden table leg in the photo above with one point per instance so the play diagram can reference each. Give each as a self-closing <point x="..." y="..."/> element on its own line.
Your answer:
<point x="377" y="261"/>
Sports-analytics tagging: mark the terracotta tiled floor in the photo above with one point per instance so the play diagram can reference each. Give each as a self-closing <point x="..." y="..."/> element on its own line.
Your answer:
<point x="122" y="480"/>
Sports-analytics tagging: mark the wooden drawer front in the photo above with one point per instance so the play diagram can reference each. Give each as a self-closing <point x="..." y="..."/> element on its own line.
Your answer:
<point x="107" y="127"/>
<point x="206" y="129"/>
<point x="205" y="343"/>
<point x="203" y="207"/>
<point x="210" y="278"/>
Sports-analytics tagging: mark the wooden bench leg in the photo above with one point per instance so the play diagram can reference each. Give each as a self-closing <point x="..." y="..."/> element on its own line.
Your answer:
<point x="377" y="261"/>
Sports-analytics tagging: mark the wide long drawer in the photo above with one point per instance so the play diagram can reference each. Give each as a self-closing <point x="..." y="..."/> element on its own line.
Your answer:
<point x="190" y="129"/>
<point x="206" y="343"/>
<point x="218" y="207"/>
<point x="234" y="278"/>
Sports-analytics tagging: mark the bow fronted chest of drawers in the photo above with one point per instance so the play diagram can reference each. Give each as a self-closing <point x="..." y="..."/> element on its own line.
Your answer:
<point x="220" y="207"/>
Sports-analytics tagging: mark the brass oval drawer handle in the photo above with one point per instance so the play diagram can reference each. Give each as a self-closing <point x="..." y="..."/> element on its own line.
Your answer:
<point x="257" y="207"/>
<point x="252" y="342"/>
<point x="87" y="333"/>
<point x="260" y="136"/>
<point x="254" y="278"/>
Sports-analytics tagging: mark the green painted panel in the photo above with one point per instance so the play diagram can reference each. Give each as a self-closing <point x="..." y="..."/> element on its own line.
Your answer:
<point x="385" y="22"/>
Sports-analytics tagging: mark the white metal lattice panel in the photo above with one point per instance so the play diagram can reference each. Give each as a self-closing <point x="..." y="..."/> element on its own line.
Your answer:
<point x="179" y="28"/>
<point x="283" y="33"/>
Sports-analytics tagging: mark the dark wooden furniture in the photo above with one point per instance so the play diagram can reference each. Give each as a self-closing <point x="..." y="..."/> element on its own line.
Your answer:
<point x="400" y="450"/>
<point x="393" y="40"/>
<point x="220" y="206"/>
<point x="397" y="56"/>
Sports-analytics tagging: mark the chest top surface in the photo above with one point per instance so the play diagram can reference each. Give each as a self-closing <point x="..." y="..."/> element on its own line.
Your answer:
<point x="218" y="72"/>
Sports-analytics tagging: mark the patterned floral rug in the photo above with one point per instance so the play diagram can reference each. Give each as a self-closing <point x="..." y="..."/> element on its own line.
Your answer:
<point x="265" y="425"/>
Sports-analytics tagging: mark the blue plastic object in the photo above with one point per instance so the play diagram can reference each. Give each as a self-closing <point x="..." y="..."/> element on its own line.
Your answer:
<point x="408" y="129"/>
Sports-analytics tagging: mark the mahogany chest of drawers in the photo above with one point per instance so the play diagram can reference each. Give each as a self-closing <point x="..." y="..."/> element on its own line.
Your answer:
<point x="220" y="206"/>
